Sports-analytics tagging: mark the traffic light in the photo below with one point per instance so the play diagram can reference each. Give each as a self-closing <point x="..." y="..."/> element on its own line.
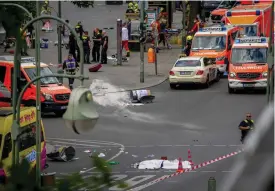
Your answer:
<point x="81" y="114"/>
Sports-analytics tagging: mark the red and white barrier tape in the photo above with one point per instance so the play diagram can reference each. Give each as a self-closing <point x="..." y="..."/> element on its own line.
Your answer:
<point x="187" y="170"/>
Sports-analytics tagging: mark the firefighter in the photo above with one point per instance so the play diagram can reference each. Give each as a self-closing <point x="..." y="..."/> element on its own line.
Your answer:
<point x="187" y="48"/>
<point x="86" y="46"/>
<point x="96" y="46"/>
<point x="246" y="126"/>
<point x="71" y="67"/>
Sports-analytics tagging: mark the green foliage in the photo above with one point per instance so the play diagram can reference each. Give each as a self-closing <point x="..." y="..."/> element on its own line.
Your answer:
<point x="23" y="179"/>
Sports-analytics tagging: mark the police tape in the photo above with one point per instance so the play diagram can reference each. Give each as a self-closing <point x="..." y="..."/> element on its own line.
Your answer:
<point x="187" y="170"/>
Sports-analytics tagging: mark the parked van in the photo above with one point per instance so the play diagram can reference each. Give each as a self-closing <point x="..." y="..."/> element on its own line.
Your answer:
<point x="27" y="137"/>
<point x="215" y="42"/>
<point x="54" y="95"/>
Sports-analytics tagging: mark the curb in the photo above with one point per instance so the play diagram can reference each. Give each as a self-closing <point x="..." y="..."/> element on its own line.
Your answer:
<point x="143" y="87"/>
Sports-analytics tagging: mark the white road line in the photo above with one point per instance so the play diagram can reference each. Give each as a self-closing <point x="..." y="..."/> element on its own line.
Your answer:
<point x="67" y="143"/>
<point x="182" y="145"/>
<point x="208" y="171"/>
<point x="165" y="145"/>
<point x="219" y="145"/>
<point x="201" y="145"/>
<point x="129" y="146"/>
<point x="227" y="171"/>
<point x="147" y="146"/>
<point x="234" y="145"/>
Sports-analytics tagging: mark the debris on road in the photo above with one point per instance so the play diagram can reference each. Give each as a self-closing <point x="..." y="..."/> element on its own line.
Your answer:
<point x="162" y="164"/>
<point x="126" y="152"/>
<point x="87" y="151"/>
<point x="62" y="154"/>
<point x="113" y="163"/>
<point x="101" y="155"/>
<point x="141" y="96"/>
<point x="150" y="156"/>
<point x="135" y="156"/>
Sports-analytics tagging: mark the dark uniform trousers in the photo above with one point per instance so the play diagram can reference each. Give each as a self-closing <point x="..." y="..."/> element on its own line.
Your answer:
<point x="104" y="55"/>
<point x="96" y="52"/>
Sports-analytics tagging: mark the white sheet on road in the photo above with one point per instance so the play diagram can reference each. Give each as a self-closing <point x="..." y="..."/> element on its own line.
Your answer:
<point x="167" y="164"/>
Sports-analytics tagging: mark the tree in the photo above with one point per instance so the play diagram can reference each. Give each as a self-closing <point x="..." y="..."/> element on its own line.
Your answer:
<point x="22" y="179"/>
<point x="12" y="17"/>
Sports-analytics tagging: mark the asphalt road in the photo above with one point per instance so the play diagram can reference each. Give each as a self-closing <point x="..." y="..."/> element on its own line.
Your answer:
<point x="202" y="120"/>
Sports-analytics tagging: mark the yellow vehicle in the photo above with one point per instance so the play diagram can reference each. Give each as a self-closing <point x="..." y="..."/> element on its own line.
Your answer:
<point x="27" y="137"/>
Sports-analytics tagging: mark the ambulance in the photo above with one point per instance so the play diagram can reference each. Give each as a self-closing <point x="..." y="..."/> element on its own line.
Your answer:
<point x="254" y="20"/>
<point x="248" y="68"/>
<point x="215" y="42"/>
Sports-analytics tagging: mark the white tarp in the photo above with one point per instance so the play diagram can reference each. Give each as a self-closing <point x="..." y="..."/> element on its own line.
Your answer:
<point x="163" y="164"/>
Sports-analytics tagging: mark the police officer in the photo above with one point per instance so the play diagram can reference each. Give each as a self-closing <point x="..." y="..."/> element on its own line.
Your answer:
<point x="72" y="45"/>
<point x="104" y="43"/>
<point x="246" y="126"/>
<point x="79" y="29"/>
<point x="86" y="46"/>
<point x="96" y="46"/>
<point x="70" y="66"/>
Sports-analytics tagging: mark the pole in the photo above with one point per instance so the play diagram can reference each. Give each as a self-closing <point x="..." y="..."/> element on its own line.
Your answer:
<point x="15" y="92"/>
<point x="141" y="43"/>
<point x="183" y="41"/>
<point x="211" y="184"/>
<point x="38" y="93"/>
<point x="156" y="50"/>
<point x="119" y="40"/>
<point x="59" y="40"/>
<point x="17" y="62"/>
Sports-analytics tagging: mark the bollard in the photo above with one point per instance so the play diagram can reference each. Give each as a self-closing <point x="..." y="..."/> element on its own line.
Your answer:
<point x="212" y="184"/>
<point x="48" y="179"/>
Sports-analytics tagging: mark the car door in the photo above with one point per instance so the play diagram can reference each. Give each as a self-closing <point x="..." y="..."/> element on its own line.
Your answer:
<point x="5" y="94"/>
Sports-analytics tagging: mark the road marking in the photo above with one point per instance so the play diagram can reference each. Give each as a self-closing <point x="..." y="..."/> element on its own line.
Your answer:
<point x="201" y="145"/>
<point x="147" y="146"/>
<point x="182" y="145"/>
<point x="227" y="171"/>
<point x="219" y="145"/>
<point x="122" y="148"/>
<point x="208" y="171"/>
<point x="165" y="145"/>
<point x="67" y="143"/>
<point x="189" y="170"/>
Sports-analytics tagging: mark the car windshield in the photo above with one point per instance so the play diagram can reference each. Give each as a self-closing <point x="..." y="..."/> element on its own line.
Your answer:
<point x="188" y="63"/>
<point x="249" y="30"/>
<point x="227" y="4"/>
<point x="209" y="42"/>
<point x="31" y="72"/>
<point x="249" y="55"/>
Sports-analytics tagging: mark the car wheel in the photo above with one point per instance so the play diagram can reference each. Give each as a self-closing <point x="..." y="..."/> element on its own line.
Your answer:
<point x="173" y="86"/>
<point x="59" y="113"/>
<point x="230" y="90"/>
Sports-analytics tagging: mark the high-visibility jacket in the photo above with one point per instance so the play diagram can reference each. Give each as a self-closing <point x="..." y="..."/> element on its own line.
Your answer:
<point x="248" y="122"/>
<point x="70" y="66"/>
<point x="24" y="34"/>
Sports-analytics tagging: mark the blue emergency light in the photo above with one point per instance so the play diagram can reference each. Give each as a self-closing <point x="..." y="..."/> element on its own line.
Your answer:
<point x="212" y="29"/>
<point x="250" y="40"/>
<point x="258" y="12"/>
<point x="229" y="13"/>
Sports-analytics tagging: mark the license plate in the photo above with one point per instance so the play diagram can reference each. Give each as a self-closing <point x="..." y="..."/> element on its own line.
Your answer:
<point x="248" y="85"/>
<point x="185" y="73"/>
<point x="63" y="107"/>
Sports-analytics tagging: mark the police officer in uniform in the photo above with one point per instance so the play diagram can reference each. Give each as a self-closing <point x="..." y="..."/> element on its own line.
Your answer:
<point x="72" y="45"/>
<point x="246" y="126"/>
<point x="104" y="43"/>
<point x="86" y="46"/>
<point x="79" y="30"/>
<point x="96" y="46"/>
<point x="70" y="66"/>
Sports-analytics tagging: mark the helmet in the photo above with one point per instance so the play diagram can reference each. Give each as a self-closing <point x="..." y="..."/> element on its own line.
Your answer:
<point x="189" y="37"/>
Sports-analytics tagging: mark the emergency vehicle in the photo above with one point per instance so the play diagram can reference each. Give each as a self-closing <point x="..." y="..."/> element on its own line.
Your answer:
<point x="248" y="66"/>
<point x="218" y="14"/>
<point x="215" y="42"/>
<point x="54" y="96"/>
<point x="254" y="20"/>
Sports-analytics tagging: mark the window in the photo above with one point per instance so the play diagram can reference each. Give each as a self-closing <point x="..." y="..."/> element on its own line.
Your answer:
<point x="188" y="63"/>
<point x="27" y="137"/>
<point x="23" y="79"/>
<point x="209" y="42"/>
<point x="2" y="73"/>
<point x="7" y="146"/>
<point x="31" y="72"/>
<point x="248" y="55"/>
<point x="208" y="61"/>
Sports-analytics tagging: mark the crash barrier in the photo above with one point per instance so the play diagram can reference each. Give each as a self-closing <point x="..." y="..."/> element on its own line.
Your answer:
<point x="48" y="179"/>
<point x="62" y="154"/>
<point x="141" y="96"/>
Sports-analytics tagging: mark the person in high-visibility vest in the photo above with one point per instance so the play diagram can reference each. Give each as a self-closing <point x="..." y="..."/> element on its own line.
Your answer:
<point x="86" y="46"/>
<point x="70" y="66"/>
<point x="246" y="126"/>
<point x="24" y="43"/>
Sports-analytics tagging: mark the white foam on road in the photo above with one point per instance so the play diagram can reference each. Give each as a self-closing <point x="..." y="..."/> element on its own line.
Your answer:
<point x="162" y="164"/>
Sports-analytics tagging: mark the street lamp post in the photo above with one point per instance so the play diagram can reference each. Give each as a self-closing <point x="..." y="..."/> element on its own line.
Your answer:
<point x="17" y="59"/>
